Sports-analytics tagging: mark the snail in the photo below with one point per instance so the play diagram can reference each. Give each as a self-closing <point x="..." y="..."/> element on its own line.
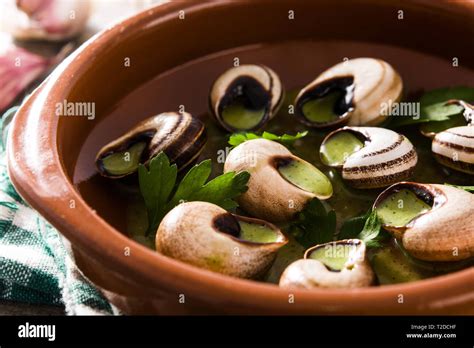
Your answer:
<point x="433" y="222"/>
<point x="245" y="97"/>
<point x="369" y="157"/>
<point x="341" y="264"/>
<point x="353" y="92"/>
<point x="207" y="236"/>
<point x="280" y="184"/>
<point x="179" y="135"/>
<point x="454" y="147"/>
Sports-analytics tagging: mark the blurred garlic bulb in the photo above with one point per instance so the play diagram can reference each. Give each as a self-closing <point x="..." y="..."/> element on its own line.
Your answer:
<point x="52" y="20"/>
<point x="20" y="67"/>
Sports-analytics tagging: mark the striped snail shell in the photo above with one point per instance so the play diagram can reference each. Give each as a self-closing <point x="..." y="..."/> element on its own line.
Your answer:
<point x="246" y="97"/>
<point x="454" y="148"/>
<point x="370" y="157"/>
<point x="352" y="92"/>
<point x="179" y="135"/>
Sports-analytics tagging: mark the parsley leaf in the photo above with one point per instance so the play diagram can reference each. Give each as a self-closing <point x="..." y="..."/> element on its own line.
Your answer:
<point x="465" y="188"/>
<point x="161" y="193"/>
<point x="439" y="126"/>
<point x="371" y="233"/>
<point x="314" y="225"/>
<point x="433" y="103"/>
<point x="352" y="227"/>
<point x="434" y="107"/>
<point x="285" y="139"/>
<point x="192" y="182"/>
<point x="156" y="186"/>
<point x="222" y="190"/>
<point x="367" y="227"/>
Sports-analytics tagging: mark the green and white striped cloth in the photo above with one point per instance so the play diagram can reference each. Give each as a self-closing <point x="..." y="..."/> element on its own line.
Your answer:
<point x="36" y="266"/>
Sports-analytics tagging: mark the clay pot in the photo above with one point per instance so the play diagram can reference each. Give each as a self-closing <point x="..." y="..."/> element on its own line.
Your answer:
<point x="47" y="153"/>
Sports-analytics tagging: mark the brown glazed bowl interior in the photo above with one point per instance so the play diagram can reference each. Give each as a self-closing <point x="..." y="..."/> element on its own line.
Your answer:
<point x="44" y="151"/>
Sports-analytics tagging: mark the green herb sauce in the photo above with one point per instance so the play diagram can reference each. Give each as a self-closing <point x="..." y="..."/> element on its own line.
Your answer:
<point x="239" y="117"/>
<point x="334" y="256"/>
<point x="391" y="267"/>
<point x="257" y="233"/>
<point x="321" y="110"/>
<point x="400" y="208"/>
<point x="307" y="177"/>
<point x="124" y="162"/>
<point x="338" y="147"/>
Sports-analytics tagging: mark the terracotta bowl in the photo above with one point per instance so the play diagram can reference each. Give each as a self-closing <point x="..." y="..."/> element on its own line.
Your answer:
<point x="48" y="154"/>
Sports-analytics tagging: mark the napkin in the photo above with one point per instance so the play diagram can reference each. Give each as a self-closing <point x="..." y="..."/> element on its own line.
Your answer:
<point x="36" y="265"/>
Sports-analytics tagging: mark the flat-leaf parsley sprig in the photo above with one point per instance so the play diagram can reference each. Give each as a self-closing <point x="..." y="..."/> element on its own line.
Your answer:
<point x="161" y="192"/>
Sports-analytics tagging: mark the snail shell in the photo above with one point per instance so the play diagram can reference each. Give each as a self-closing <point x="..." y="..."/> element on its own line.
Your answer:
<point x="443" y="233"/>
<point x="256" y="89"/>
<point x="367" y="85"/>
<point x="179" y="135"/>
<point x="454" y="148"/>
<point x="386" y="158"/>
<point x="207" y="236"/>
<point x="270" y="196"/>
<point x="310" y="273"/>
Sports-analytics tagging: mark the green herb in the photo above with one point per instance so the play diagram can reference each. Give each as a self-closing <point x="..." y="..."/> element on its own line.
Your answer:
<point x="314" y="225"/>
<point x="434" y="107"/>
<point x="285" y="139"/>
<point x="161" y="192"/>
<point x="465" y="188"/>
<point x="367" y="227"/>
<point x="371" y="233"/>
<point x="352" y="227"/>
<point x="156" y="186"/>
<point x="439" y="126"/>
